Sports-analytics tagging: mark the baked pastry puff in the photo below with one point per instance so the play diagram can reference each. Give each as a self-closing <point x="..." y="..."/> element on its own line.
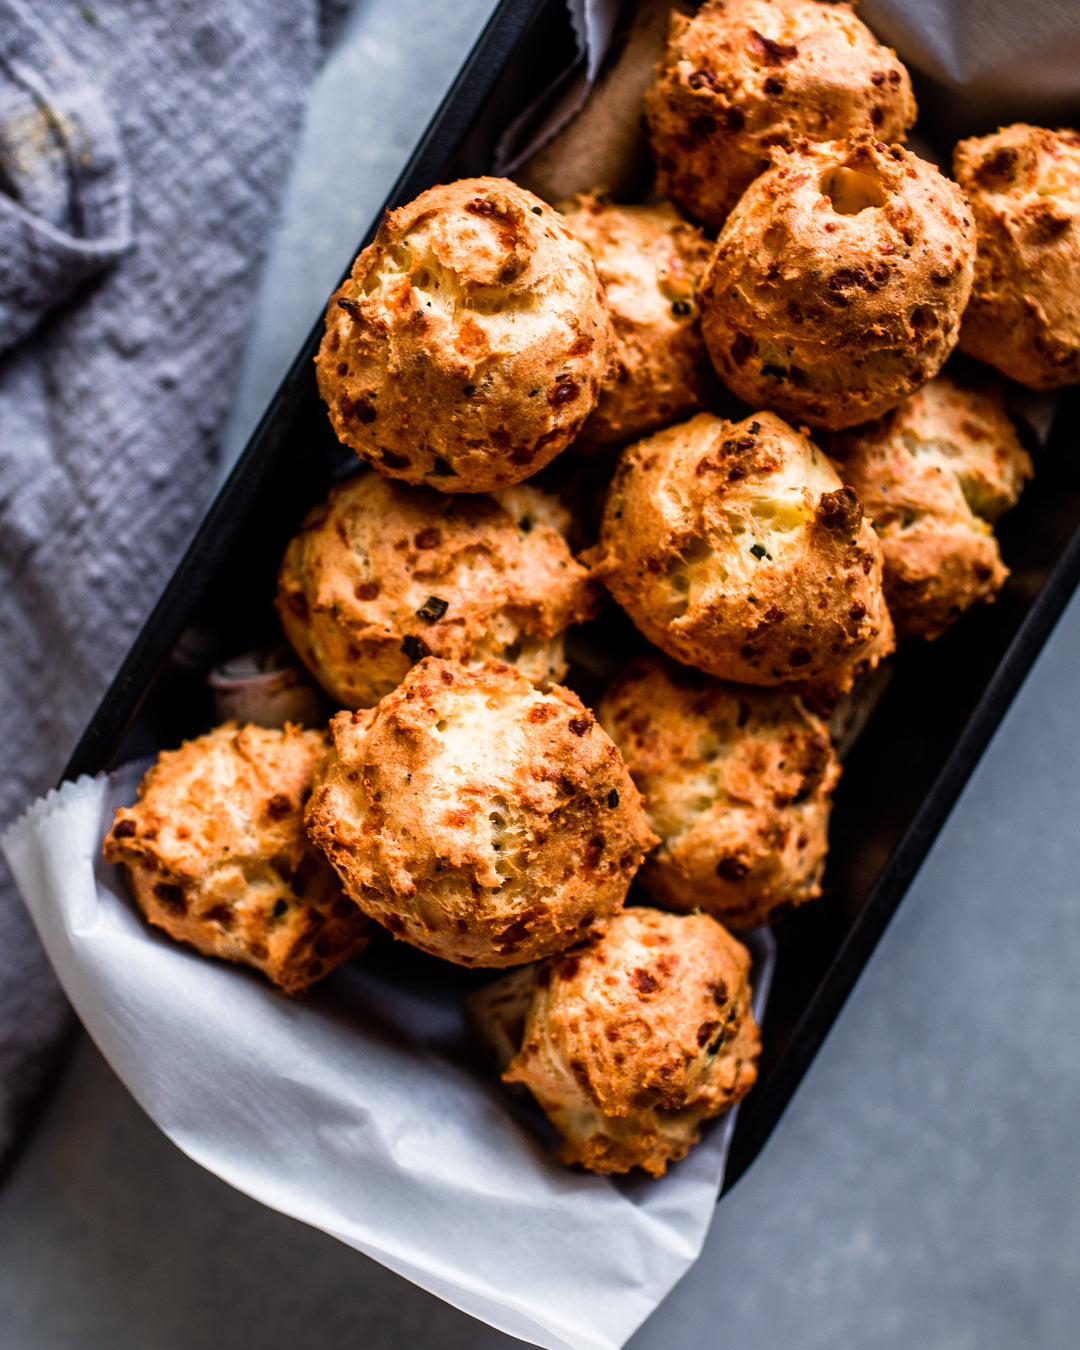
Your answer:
<point x="650" y="261"/>
<point x="735" y="548"/>
<point x="477" y="818"/>
<point x="934" y="475"/>
<point x="467" y="347"/>
<point x="838" y="281"/>
<point x="216" y="854"/>
<point x="737" y="783"/>
<point x="384" y="573"/>
<point x="742" y="77"/>
<point x="1024" y="314"/>
<point x="635" y="1038"/>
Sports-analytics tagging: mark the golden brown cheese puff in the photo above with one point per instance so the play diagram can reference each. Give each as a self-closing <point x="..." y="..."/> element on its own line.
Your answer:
<point x="477" y="818"/>
<point x="634" y="1040"/>
<point x="650" y="261"/>
<point x="1024" y="315"/>
<point x="933" y="476"/>
<point x="735" y="547"/>
<point x="467" y="347"/>
<point x="838" y="282"/>
<point x="216" y="854"/>
<point x="742" y="77"/>
<point x="738" y="785"/>
<point x="384" y="573"/>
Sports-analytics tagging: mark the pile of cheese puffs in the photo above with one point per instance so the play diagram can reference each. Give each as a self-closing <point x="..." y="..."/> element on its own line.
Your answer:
<point x="795" y="257"/>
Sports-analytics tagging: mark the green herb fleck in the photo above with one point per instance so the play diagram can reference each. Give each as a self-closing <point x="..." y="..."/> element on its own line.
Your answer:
<point x="682" y="309"/>
<point x="525" y="524"/>
<point x="759" y="551"/>
<point x="442" y="468"/>
<point x="538" y="210"/>
<point x="279" y="909"/>
<point x="613" y="799"/>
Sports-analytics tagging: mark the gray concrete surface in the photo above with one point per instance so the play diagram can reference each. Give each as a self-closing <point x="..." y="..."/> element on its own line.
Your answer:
<point x="922" y="1189"/>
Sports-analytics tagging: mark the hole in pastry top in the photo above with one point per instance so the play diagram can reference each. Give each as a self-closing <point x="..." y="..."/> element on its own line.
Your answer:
<point x="851" y="190"/>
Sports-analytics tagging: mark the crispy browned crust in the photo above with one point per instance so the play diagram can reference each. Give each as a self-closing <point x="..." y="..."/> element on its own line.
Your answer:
<point x="477" y="818"/>
<point x="734" y="547"/>
<point x="738" y="785"/>
<point x="634" y="1040"/>
<point x="383" y="573"/>
<point x="650" y="261"/>
<point x="742" y="77"/>
<point x="832" y="316"/>
<point x="1024" y="316"/>
<point x="467" y="347"/>
<point x="934" y="475"/>
<point x="216" y="854"/>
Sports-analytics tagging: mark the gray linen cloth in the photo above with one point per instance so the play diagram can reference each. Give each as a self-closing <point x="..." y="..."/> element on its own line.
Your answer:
<point x="143" y="145"/>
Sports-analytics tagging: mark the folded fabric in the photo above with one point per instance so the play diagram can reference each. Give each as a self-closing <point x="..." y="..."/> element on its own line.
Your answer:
<point x="64" y="213"/>
<point x="142" y="152"/>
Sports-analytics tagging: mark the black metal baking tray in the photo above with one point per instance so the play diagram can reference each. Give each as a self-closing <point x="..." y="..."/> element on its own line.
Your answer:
<point x="907" y="769"/>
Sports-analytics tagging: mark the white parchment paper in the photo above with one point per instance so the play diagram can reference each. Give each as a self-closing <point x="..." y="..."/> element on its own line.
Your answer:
<point x="991" y="61"/>
<point x="357" y="1109"/>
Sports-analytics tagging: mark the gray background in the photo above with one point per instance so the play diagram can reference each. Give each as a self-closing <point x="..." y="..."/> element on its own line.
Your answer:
<point x="924" y="1186"/>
